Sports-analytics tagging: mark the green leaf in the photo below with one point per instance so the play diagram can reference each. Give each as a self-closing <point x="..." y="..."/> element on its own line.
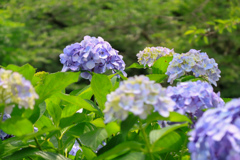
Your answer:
<point x="186" y="157"/>
<point x="85" y="93"/>
<point x="94" y="138"/>
<point x="76" y="100"/>
<point x="122" y="76"/>
<point x="157" y="134"/>
<point x="157" y="77"/>
<point x="205" y="38"/>
<point x="127" y="124"/>
<point x="101" y="86"/>
<point x="187" y="78"/>
<point x="54" y="83"/>
<point x="133" y="156"/>
<point x="112" y="128"/>
<point x="135" y="65"/>
<point x="95" y="106"/>
<point x="189" y="32"/>
<point x="98" y="122"/>
<point x="115" y="83"/>
<point x="54" y="110"/>
<point x="120" y="149"/>
<point x="161" y="65"/>
<point x="37" y="112"/>
<point x="114" y="141"/>
<point x="88" y="153"/>
<point x="50" y="155"/>
<point x="76" y="118"/>
<point x="69" y="110"/>
<point x="226" y="99"/>
<point x="18" y="141"/>
<point x="80" y="128"/>
<point x="173" y="117"/>
<point x="43" y="122"/>
<point x="170" y="142"/>
<point x="51" y="129"/>
<point x="17" y="126"/>
<point x="26" y="152"/>
<point x="26" y="70"/>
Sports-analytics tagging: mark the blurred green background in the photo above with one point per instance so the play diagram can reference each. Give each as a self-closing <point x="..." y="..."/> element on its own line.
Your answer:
<point x="36" y="31"/>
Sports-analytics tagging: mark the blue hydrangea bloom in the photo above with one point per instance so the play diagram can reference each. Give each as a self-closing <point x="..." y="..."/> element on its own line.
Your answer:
<point x="16" y="89"/>
<point x="217" y="134"/>
<point x="75" y="148"/>
<point x="91" y="54"/>
<point x="140" y="96"/>
<point x="192" y="97"/>
<point x="195" y="62"/>
<point x="4" y="135"/>
<point x="150" y="54"/>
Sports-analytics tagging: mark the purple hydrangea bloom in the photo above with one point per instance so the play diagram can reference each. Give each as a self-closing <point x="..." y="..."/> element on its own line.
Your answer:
<point x="16" y="89"/>
<point x="140" y="96"/>
<point x="75" y="148"/>
<point x="4" y="135"/>
<point x="91" y="54"/>
<point x="196" y="62"/>
<point x="217" y="134"/>
<point x="150" y="54"/>
<point x="192" y="97"/>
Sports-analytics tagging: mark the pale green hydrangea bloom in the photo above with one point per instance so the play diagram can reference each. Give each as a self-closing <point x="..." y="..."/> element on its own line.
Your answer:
<point x="139" y="96"/>
<point x="14" y="88"/>
<point x="150" y="54"/>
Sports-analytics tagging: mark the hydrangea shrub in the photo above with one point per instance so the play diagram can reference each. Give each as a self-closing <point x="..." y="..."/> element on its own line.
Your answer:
<point x="117" y="117"/>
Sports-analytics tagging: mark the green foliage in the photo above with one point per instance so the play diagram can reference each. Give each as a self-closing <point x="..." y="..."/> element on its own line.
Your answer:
<point x="15" y="126"/>
<point x="37" y="31"/>
<point x="94" y="138"/>
<point x="101" y="86"/>
<point x="60" y="122"/>
<point x="155" y="135"/>
<point x="161" y="65"/>
<point x="26" y="70"/>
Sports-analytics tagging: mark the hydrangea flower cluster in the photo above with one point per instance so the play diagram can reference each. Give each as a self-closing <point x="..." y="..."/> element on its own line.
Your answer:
<point x="140" y="96"/>
<point x="150" y="54"/>
<point x="16" y="89"/>
<point x="75" y="148"/>
<point x="217" y="134"/>
<point x="196" y="62"/>
<point x="4" y="135"/>
<point x="91" y="54"/>
<point x="192" y="97"/>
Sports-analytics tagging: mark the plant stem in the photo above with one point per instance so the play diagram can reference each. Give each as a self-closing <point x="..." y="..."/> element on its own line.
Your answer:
<point x="166" y="156"/>
<point x="60" y="144"/>
<point x="182" y="149"/>
<point x="146" y="140"/>
<point x="2" y="106"/>
<point x="38" y="145"/>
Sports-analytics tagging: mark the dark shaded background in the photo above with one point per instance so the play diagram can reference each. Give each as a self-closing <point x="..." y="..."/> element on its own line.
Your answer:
<point x="36" y="32"/>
